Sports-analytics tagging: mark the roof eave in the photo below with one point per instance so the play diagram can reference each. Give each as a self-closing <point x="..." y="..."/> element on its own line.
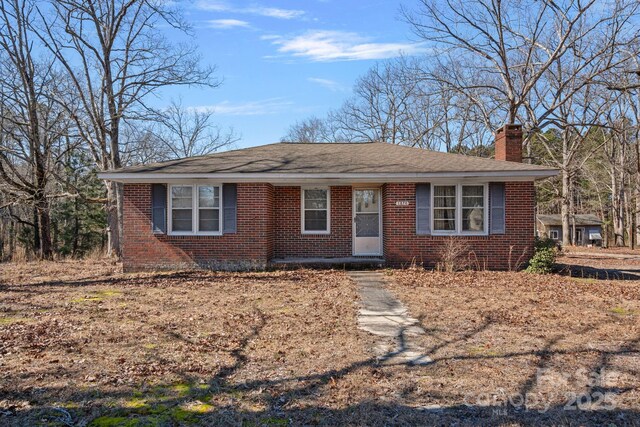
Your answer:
<point x="291" y="178"/>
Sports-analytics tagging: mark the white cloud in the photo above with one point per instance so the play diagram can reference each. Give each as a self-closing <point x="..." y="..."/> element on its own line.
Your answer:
<point x="212" y="5"/>
<point x="341" y="46"/>
<point x="332" y="85"/>
<point x="227" y="23"/>
<point x="271" y="12"/>
<point x="249" y="108"/>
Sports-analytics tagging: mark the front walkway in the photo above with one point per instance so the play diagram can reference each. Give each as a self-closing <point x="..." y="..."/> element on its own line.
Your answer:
<point x="383" y="315"/>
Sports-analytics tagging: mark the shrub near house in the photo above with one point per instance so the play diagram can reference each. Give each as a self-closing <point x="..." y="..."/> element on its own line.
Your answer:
<point x="395" y="204"/>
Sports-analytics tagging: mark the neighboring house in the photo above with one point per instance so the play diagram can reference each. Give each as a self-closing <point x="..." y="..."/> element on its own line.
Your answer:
<point x="588" y="228"/>
<point x="395" y="204"/>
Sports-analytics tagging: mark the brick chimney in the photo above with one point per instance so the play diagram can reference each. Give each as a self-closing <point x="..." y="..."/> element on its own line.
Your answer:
<point x="509" y="143"/>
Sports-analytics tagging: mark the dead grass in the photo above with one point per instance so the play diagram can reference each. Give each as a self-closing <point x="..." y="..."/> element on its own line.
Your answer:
<point x="516" y="334"/>
<point x="83" y="344"/>
<point x="145" y="347"/>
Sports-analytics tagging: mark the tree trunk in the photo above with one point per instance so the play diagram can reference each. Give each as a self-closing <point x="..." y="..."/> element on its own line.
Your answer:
<point x="636" y="216"/>
<point x="565" y="208"/>
<point x="36" y="232"/>
<point x="617" y="211"/>
<point x="76" y="229"/>
<point x="44" y="229"/>
<point x="113" y="228"/>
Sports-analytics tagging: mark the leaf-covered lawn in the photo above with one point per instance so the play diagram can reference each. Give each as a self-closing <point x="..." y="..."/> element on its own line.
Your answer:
<point x="162" y="349"/>
<point x="82" y="344"/>
<point x="550" y="339"/>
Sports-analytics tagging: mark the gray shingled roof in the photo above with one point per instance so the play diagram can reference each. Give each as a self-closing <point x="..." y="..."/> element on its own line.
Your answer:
<point x="330" y="158"/>
<point x="581" y="219"/>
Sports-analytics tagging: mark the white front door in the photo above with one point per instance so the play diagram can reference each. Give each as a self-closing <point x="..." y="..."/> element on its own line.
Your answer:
<point x="367" y="224"/>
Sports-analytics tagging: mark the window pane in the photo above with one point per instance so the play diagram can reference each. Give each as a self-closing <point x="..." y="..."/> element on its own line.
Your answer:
<point x="444" y="202"/>
<point x="472" y="196"/>
<point x="473" y="219"/>
<point x="315" y="199"/>
<point x="182" y="197"/>
<point x="367" y="201"/>
<point x="209" y="220"/>
<point x="472" y="190"/>
<point x="444" y="196"/>
<point x="208" y="197"/>
<point x="444" y="225"/>
<point x="315" y="220"/>
<point x="316" y="204"/>
<point x="444" y="190"/>
<point x="444" y="213"/>
<point x="181" y="220"/>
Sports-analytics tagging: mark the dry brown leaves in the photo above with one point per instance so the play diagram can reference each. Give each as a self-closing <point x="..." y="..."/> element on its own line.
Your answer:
<point x="284" y="347"/>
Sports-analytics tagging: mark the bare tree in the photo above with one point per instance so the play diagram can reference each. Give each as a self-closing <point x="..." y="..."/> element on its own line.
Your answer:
<point x="185" y="132"/>
<point x="513" y="43"/>
<point x="389" y="106"/>
<point x="312" y="129"/>
<point x="115" y="58"/>
<point x="31" y="124"/>
<point x="570" y="98"/>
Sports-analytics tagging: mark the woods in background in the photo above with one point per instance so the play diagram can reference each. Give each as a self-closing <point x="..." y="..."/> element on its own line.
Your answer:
<point x="76" y="77"/>
<point x="567" y="71"/>
<point x="75" y="81"/>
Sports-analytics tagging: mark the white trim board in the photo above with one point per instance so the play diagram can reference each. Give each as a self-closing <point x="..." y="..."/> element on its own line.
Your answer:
<point x="327" y="178"/>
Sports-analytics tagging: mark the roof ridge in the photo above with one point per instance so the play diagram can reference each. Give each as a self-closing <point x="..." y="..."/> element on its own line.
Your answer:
<point x="323" y="143"/>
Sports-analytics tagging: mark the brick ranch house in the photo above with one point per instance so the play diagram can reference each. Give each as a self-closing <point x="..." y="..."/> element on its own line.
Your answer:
<point x="337" y="202"/>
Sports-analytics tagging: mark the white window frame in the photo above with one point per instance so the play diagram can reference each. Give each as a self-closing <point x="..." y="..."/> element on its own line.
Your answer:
<point x="458" y="216"/>
<point x="302" y="210"/>
<point x="554" y="234"/>
<point x="195" y="211"/>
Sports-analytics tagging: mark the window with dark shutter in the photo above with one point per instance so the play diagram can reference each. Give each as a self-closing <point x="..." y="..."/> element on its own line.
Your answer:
<point x="159" y="208"/>
<point x="230" y="208"/>
<point x="497" y="212"/>
<point x="423" y="208"/>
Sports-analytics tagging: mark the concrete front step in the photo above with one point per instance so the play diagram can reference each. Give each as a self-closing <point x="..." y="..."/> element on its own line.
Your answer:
<point x="338" y="262"/>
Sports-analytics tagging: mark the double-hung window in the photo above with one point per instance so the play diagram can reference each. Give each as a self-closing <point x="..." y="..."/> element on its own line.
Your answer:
<point x="473" y="209"/>
<point x="460" y="209"/>
<point x="195" y="209"/>
<point x="444" y="208"/>
<point x="315" y="210"/>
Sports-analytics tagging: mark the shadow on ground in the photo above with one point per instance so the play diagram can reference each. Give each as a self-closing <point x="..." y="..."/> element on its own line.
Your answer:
<point x="224" y="400"/>
<point x="586" y="272"/>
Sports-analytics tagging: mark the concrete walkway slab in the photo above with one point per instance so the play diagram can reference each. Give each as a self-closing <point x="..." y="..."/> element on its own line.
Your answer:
<point x="384" y="315"/>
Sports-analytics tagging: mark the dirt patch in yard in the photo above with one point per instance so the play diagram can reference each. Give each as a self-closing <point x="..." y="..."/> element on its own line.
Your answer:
<point x="83" y="344"/>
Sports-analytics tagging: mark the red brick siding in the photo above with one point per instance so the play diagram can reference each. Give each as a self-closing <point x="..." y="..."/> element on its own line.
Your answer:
<point x="402" y="245"/>
<point x="509" y="143"/>
<point x="269" y="225"/>
<point x="250" y="247"/>
<point x="289" y="240"/>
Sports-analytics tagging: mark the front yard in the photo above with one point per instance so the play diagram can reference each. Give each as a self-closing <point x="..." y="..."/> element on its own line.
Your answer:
<point x="83" y="344"/>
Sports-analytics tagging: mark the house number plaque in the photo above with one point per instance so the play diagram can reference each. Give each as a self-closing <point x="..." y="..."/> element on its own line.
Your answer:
<point x="402" y="203"/>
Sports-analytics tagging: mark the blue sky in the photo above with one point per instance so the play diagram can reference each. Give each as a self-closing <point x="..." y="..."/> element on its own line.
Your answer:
<point x="282" y="61"/>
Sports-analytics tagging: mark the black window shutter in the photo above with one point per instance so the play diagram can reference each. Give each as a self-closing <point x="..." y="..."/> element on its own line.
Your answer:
<point x="423" y="208"/>
<point x="159" y="208"/>
<point x="230" y="208"/>
<point x="497" y="206"/>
